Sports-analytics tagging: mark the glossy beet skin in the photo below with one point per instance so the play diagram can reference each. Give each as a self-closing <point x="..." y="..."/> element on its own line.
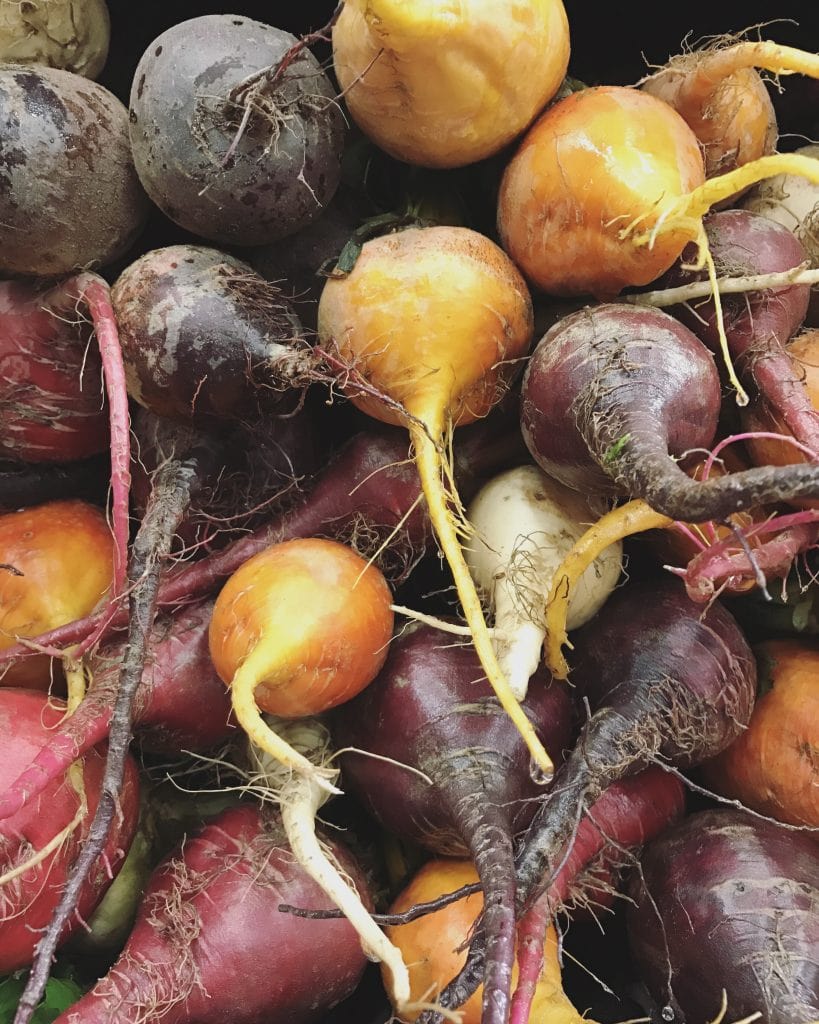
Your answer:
<point x="204" y="337"/>
<point x="51" y="404"/>
<point x="211" y="946"/>
<point x="186" y="114"/>
<point x="431" y="708"/>
<point x="757" y="324"/>
<point x="69" y="194"/>
<point x="27" y="719"/>
<point x="729" y="902"/>
<point x="614" y="394"/>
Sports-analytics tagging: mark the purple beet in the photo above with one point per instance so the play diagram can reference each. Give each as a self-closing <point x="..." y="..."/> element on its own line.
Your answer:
<point x="728" y="902"/>
<point x="431" y="708"/>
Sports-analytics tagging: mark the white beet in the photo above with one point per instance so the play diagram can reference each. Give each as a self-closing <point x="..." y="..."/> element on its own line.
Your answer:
<point x="68" y="34"/>
<point x="525" y="523"/>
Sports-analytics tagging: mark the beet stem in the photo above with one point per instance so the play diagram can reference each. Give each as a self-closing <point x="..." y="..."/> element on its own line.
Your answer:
<point x="171" y="495"/>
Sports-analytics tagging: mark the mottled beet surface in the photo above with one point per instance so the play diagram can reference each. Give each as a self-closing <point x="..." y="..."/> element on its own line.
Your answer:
<point x="69" y="194"/>
<point x="726" y="901"/>
<point x="243" y="182"/>
<point x="204" y="336"/>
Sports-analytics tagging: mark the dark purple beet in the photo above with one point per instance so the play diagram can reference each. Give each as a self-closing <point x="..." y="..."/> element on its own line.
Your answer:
<point x="726" y="901"/>
<point x="432" y="708"/>
<point x="613" y="394"/>
<point x="181" y="704"/>
<point x="664" y="681"/>
<point x="757" y="324"/>
<point x="204" y="337"/>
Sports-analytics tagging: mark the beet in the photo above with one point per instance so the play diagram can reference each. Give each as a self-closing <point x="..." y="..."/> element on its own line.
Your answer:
<point x="51" y="397"/>
<point x="204" y="337"/>
<point x="69" y="195"/>
<point x="210" y="944"/>
<point x="432" y="708"/>
<point x="724" y="901"/>
<point x="613" y="394"/>
<point x="236" y="161"/>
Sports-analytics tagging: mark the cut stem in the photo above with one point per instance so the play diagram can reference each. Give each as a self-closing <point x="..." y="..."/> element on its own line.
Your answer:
<point x="429" y="468"/>
<point x="633" y="517"/>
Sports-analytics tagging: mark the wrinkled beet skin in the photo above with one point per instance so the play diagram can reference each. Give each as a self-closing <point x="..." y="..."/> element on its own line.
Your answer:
<point x="210" y="946"/>
<point x="737" y="907"/>
<point x="744" y="244"/>
<point x="69" y="194"/>
<point x="27" y="903"/>
<point x="668" y="375"/>
<point x="51" y="404"/>
<point x="281" y="175"/>
<point x="197" y="329"/>
<point x="431" y="707"/>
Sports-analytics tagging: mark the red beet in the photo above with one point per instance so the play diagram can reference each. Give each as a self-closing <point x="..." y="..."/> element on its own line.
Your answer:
<point x="613" y="394"/>
<point x="27" y="902"/>
<point x="210" y="946"/>
<point x="757" y="324"/>
<point x="431" y="708"/>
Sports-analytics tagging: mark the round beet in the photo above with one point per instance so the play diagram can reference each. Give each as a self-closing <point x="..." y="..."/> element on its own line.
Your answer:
<point x="69" y="195"/>
<point x="728" y="902"/>
<point x="232" y="159"/>
<point x="204" y="336"/>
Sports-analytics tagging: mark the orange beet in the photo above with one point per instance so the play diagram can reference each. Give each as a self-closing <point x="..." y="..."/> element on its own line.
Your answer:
<point x="65" y="552"/>
<point x="315" y="619"/>
<point x="431" y="944"/>
<point x="589" y="167"/>
<point x="773" y="767"/>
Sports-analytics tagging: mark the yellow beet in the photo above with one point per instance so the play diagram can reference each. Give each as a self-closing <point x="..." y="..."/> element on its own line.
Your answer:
<point x="443" y="83"/>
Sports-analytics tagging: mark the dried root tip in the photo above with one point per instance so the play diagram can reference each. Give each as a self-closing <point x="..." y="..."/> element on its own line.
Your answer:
<point x="633" y="517"/>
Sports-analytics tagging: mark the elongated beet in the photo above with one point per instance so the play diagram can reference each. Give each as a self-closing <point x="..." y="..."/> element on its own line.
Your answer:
<point x="757" y="324"/>
<point x="205" y="337"/>
<point x="628" y="814"/>
<point x="432" y="709"/>
<point x="181" y="704"/>
<point x="726" y="902"/>
<point x="664" y="681"/>
<point x="60" y="816"/>
<point x="69" y="194"/>
<point x="210" y="945"/>
<point x="613" y="395"/>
